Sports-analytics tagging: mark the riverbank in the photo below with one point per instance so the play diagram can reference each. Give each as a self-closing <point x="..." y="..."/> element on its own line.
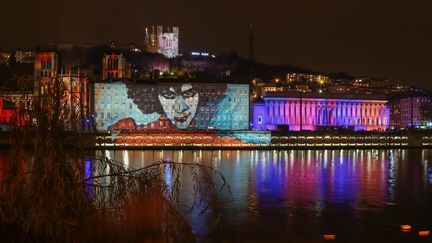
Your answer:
<point x="243" y="140"/>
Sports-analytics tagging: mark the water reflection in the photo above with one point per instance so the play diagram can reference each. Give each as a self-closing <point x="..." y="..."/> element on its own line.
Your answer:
<point x="305" y="193"/>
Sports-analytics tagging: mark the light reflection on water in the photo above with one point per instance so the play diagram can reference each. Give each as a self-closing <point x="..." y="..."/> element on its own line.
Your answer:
<point x="302" y="194"/>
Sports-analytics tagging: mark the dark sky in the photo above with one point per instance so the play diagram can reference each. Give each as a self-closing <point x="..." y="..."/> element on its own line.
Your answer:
<point x="379" y="38"/>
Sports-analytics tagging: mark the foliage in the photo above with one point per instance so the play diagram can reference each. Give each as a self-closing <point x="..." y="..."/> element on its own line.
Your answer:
<point x="56" y="194"/>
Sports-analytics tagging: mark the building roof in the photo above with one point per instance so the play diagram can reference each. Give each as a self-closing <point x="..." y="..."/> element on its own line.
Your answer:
<point x="314" y="95"/>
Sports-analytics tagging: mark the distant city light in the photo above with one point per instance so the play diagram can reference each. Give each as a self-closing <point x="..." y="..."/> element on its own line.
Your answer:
<point x="204" y="54"/>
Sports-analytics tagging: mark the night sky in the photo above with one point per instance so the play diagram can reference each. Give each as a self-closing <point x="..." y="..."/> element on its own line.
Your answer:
<point x="378" y="38"/>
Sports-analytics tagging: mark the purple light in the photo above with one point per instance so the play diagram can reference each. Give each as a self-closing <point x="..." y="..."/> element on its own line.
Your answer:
<point x="315" y="113"/>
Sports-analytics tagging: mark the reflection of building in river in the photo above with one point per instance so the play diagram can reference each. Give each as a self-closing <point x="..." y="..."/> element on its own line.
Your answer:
<point x="310" y="111"/>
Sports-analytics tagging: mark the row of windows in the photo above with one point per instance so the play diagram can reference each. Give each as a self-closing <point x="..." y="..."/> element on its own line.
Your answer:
<point x="46" y="74"/>
<point x="112" y="63"/>
<point x="115" y="115"/>
<point x="339" y="112"/>
<point x="342" y="122"/>
<point x="108" y="97"/>
<point x="325" y="104"/>
<point x="116" y="105"/>
<point x="46" y="64"/>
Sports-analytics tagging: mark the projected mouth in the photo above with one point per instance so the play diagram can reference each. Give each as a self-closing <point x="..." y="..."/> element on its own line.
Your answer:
<point x="181" y="118"/>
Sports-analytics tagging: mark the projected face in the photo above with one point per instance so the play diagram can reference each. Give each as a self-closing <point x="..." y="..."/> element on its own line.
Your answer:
<point x="179" y="105"/>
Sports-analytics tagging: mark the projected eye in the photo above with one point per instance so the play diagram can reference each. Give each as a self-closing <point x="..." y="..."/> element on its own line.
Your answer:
<point x="188" y="93"/>
<point x="168" y="94"/>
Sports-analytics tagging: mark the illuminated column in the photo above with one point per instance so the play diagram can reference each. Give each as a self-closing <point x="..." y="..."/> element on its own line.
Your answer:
<point x="359" y="116"/>
<point x="354" y="115"/>
<point x="282" y="108"/>
<point x="349" y="114"/>
<point x="323" y="122"/>
<point x="305" y="112"/>
<point x="333" y="111"/>
<point x="287" y="114"/>
<point x="308" y="115"/>
<point x="292" y="112"/>
<point x="280" y="112"/>
<point x="269" y="109"/>
<point x="314" y="113"/>
<point x="325" y="115"/>
<point x="337" y="113"/>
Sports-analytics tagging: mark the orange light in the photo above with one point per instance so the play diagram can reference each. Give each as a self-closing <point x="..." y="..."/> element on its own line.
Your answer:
<point x="424" y="233"/>
<point x="405" y="228"/>
<point x="329" y="237"/>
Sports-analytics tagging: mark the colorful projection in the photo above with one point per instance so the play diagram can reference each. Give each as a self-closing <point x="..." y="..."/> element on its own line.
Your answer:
<point x="314" y="113"/>
<point x="173" y="106"/>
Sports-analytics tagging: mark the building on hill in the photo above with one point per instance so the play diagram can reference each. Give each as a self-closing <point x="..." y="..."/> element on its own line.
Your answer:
<point x="24" y="56"/>
<point x="308" y="78"/>
<point x="163" y="42"/>
<point x="46" y="68"/>
<point x="115" y="66"/>
<point x="5" y="57"/>
<point x="72" y="83"/>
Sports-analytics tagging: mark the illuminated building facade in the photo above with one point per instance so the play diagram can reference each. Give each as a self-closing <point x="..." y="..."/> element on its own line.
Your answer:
<point x="309" y="78"/>
<point x="114" y="66"/>
<point x="72" y="84"/>
<point x="5" y="57"/>
<point x="164" y="42"/>
<point x="76" y="96"/>
<point x="45" y="71"/>
<point x="308" y="111"/>
<point x="395" y="113"/>
<point x="416" y="112"/>
<point x="6" y="113"/>
<point x="171" y="106"/>
<point x="24" y="56"/>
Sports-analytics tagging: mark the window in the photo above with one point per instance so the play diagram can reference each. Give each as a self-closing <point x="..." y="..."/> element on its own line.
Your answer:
<point x="259" y="119"/>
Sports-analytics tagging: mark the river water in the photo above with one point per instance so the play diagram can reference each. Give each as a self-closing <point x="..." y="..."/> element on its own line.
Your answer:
<point x="301" y="195"/>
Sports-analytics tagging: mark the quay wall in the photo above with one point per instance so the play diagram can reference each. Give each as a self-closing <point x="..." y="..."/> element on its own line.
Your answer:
<point x="266" y="140"/>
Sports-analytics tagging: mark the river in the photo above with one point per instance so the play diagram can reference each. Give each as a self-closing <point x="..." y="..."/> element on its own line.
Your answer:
<point x="302" y="195"/>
